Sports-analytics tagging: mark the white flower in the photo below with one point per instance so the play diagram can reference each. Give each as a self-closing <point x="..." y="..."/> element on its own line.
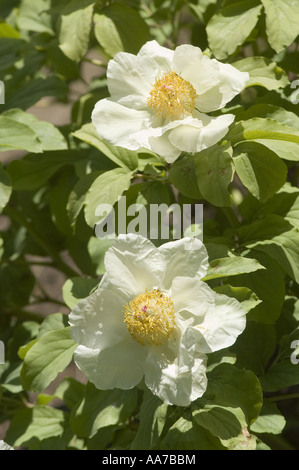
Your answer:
<point x="159" y="98"/>
<point x="4" y="446"/>
<point x="152" y="317"/>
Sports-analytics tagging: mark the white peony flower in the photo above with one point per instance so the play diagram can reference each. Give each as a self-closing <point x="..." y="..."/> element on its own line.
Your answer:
<point x="152" y="317"/>
<point x="159" y="98"/>
<point x="4" y="446"/>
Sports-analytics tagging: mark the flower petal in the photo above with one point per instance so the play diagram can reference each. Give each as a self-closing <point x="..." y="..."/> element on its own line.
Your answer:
<point x="117" y="124"/>
<point x="98" y="320"/>
<point x="134" y="264"/>
<point x="186" y="257"/>
<point x="193" y="138"/>
<point x="117" y="367"/>
<point x="179" y="381"/>
<point x="193" y="296"/>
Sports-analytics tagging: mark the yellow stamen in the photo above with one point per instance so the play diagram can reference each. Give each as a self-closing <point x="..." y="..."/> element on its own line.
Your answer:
<point x="150" y="317"/>
<point x="172" y="97"/>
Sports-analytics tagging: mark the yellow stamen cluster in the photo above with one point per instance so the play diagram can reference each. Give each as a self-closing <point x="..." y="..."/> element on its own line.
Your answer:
<point x="172" y="97"/>
<point x="150" y="317"/>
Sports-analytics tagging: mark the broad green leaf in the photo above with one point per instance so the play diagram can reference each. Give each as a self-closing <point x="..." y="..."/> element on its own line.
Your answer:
<point x="229" y="386"/>
<point x="77" y="288"/>
<point x="75" y="29"/>
<point x="71" y="391"/>
<point x="33" y="15"/>
<point x="106" y="189"/>
<point x="26" y="140"/>
<point x="7" y="31"/>
<point x="186" y="434"/>
<point x="50" y="355"/>
<point x="270" y="420"/>
<point x="54" y="321"/>
<point x="270" y="111"/>
<point x="268" y="285"/>
<point x="40" y="422"/>
<point x="48" y="135"/>
<point x="214" y="172"/>
<point x="100" y="409"/>
<point x="281" y="139"/>
<point x="120" y="28"/>
<point x="260" y="170"/>
<point x="121" y="156"/>
<point x="5" y="188"/>
<point x="245" y="296"/>
<point x="231" y="26"/>
<point x="78" y="194"/>
<point x="33" y="171"/>
<point x="262" y="72"/>
<point x="152" y="419"/>
<point x="255" y="346"/>
<point x="282" y="22"/>
<point x="231" y="266"/>
<point x="224" y="422"/>
<point x="97" y="248"/>
<point x="182" y="175"/>
<point x="278" y="238"/>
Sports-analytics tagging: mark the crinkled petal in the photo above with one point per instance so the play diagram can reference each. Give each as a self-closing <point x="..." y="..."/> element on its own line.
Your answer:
<point x="117" y="124"/>
<point x="98" y="320"/>
<point x="134" y="264"/>
<point x="185" y="257"/>
<point x="4" y="446"/>
<point x="177" y="380"/>
<point x="163" y="147"/>
<point x="192" y="297"/>
<point x="117" y="367"/>
<point x="194" y="138"/>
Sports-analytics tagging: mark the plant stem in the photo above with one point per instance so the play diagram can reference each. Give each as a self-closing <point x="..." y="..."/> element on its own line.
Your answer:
<point x="289" y="396"/>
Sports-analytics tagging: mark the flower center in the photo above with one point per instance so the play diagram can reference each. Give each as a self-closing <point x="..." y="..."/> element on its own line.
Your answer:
<point x="150" y="317"/>
<point x="172" y="97"/>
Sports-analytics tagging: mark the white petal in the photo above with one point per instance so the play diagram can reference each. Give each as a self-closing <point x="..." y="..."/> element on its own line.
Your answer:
<point x="179" y="381"/>
<point x="4" y="446"/>
<point x="191" y="295"/>
<point x="98" y="320"/>
<point x="230" y="82"/>
<point x="117" y="124"/>
<point x="222" y="324"/>
<point x="193" y="138"/>
<point x="116" y="367"/>
<point x="160" y="56"/>
<point x="134" y="263"/>
<point x="195" y="67"/>
<point x="163" y="147"/>
<point x="186" y="257"/>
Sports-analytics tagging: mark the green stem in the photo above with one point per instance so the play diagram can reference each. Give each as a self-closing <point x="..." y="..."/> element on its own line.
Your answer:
<point x="21" y="220"/>
<point x="289" y="396"/>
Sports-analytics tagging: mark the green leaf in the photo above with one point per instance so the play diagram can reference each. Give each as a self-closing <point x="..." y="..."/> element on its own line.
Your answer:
<point x="281" y="139"/>
<point x="97" y="248"/>
<point x="223" y="422"/>
<point x="106" y="189"/>
<point x="50" y="355"/>
<point x="33" y="15"/>
<point x="282" y="22"/>
<point x="54" y="321"/>
<point x="270" y="420"/>
<point x="40" y="422"/>
<point x="5" y="188"/>
<point x="48" y="135"/>
<point x="214" y="172"/>
<point x="27" y="138"/>
<point x="75" y="28"/>
<point x="182" y="175"/>
<point x="7" y="31"/>
<point x="263" y="72"/>
<point x="229" y="386"/>
<point x="120" y="28"/>
<point x="101" y="409"/>
<point x="231" y="26"/>
<point x="121" y="156"/>
<point x="231" y="266"/>
<point x="260" y="170"/>
<point x="270" y="111"/>
<point x="152" y="419"/>
<point x="77" y="288"/>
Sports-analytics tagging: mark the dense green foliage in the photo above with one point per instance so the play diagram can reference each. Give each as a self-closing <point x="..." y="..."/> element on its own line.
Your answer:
<point x="248" y="184"/>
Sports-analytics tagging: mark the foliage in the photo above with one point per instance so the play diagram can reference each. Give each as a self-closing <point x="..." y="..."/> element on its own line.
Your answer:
<point x="247" y="183"/>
